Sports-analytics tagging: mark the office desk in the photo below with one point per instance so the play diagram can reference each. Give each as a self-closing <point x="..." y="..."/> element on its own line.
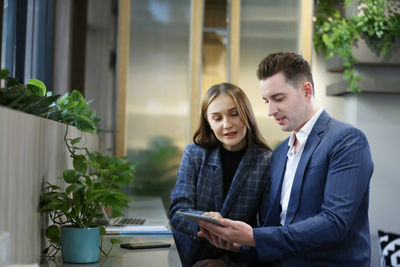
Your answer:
<point x="152" y="210"/>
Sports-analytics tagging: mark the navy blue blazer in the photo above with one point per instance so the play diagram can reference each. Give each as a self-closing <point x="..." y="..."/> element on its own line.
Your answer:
<point x="327" y="217"/>
<point x="199" y="188"/>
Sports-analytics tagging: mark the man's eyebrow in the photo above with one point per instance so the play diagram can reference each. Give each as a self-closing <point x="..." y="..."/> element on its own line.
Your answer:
<point x="275" y="96"/>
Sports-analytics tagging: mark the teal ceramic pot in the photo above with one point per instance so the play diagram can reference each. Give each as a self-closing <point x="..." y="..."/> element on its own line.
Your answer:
<point x="80" y="245"/>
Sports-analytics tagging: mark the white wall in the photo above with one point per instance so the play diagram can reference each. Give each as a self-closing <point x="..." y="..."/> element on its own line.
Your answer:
<point x="334" y="105"/>
<point x="378" y="116"/>
<point x="31" y="150"/>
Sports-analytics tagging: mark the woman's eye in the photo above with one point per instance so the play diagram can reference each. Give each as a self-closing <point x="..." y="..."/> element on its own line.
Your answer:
<point x="217" y="118"/>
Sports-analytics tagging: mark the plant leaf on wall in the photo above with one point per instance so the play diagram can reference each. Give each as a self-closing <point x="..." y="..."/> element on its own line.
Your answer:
<point x="33" y="98"/>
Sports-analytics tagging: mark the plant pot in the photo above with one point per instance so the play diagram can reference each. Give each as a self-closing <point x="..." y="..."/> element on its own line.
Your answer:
<point x="80" y="245"/>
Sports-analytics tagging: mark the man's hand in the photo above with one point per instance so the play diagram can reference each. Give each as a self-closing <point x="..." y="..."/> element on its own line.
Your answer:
<point x="230" y="236"/>
<point x="219" y="242"/>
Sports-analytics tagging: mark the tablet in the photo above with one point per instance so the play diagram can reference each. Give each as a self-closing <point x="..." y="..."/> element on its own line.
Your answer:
<point x="196" y="217"/>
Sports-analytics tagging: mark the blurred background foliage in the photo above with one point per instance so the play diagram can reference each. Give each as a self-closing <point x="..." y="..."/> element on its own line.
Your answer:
<point x="156" y="169"/>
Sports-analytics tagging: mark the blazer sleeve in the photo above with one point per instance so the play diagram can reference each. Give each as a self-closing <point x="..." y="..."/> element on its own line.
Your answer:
<point x="347" y="182"/>
<point x="184" y="193"/>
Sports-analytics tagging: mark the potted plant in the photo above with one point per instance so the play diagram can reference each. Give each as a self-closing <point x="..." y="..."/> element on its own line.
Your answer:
<point x="377" y="22"/>
<point x="94" y="182"/>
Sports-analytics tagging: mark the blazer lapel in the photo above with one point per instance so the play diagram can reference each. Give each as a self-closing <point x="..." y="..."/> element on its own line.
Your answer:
<point x="216" y="175"/>
<point x="312" y="142"/>
<point x="277" y="172"/>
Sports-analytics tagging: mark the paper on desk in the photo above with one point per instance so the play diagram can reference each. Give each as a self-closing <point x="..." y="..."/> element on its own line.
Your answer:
<point x="138" y="229"/>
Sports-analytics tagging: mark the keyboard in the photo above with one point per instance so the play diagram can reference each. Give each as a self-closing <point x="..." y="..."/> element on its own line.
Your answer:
<point x="129" y="221"/>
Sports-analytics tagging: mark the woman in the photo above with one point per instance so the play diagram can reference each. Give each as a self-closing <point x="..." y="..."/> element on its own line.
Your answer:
<point x="224" y="171"/>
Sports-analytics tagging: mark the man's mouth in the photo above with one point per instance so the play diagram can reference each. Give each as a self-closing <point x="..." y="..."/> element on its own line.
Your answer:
<point x="280" y="120"/>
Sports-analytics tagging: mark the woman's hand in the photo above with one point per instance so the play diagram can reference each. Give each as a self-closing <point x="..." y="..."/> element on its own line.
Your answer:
<point x="213" y="214"/>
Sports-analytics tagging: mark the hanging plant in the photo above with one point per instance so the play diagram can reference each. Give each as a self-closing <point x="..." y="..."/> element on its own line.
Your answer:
<point x="377" y="22"/>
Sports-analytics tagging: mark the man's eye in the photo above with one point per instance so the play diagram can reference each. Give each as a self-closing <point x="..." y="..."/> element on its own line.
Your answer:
<point x="278" y="99"/>
<point x="266" y="101"/>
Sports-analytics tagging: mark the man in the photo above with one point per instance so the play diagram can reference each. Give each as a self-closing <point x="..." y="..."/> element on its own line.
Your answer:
<point x="318" y="211"/>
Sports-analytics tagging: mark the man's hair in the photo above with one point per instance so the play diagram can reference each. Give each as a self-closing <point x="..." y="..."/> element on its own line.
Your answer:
<point x="205" y="137"/>
<point x="292" y="65"/>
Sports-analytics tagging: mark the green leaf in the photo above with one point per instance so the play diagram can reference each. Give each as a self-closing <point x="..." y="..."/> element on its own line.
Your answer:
<point x="326" y="27"/>
<point x="76" y="140"/>
<point x="4" y="73"/>
<point x="84" y="124"/>
<point x="13" y="82"/>
<point x="94" y="164"/>
<point x="88" y="181"/>
<point x="102" y="231"/>
<point x="111" y="201"/>
<point x="53" y="234"/>
<point x="76" y="96"/>
<point x="71" y="176"/>
<point x="36" y="87"/>
<point x="79" y="163"/>
<point x="117" y="212"/>
<point x="73" y="188"/>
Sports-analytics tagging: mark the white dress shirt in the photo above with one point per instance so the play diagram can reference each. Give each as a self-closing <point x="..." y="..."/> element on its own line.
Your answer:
<point x="293" y="158"/>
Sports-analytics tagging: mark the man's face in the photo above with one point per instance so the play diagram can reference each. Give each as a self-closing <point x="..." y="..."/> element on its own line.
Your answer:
<point x="287" y="104"/>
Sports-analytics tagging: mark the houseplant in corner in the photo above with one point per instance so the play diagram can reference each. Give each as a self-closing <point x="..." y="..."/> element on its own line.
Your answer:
<point x="94" y="182"/>
<point x="377" y="22"/>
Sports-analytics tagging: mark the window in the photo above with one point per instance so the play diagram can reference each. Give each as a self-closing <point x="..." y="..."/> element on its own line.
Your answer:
<point x="27" y="39"/>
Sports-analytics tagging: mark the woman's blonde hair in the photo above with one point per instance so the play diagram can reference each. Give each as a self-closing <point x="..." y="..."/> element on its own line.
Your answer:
<point x="205" y="137"/>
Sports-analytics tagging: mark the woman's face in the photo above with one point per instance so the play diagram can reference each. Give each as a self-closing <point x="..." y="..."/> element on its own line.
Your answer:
<point x="224" y="120"/>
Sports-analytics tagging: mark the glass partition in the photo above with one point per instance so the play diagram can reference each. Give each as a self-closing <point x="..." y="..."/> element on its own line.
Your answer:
<point x="266" y="26"/>
<point x="157" y="96"/>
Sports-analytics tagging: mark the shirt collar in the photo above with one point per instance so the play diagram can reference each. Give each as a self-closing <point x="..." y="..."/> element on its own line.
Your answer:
<point x="304" y="132"/>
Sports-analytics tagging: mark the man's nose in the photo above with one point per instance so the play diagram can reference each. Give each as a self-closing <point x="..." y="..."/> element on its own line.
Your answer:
<point x="272" y="109"/>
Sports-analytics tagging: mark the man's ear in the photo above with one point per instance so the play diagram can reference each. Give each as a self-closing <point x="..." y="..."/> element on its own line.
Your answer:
<point x="307" y="90"/>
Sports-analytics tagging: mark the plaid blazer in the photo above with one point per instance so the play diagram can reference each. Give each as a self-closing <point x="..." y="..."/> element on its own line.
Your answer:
<point x="199" y="188"/>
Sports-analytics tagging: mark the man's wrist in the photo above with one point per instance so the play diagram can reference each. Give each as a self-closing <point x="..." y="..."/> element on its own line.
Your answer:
<point x="252" y="242"/>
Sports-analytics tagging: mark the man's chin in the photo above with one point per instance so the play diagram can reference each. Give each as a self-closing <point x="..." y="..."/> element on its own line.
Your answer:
<point x="285" y="128"/>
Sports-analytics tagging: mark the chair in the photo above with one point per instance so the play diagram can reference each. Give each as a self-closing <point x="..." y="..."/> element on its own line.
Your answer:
<point x="389" y="246"/>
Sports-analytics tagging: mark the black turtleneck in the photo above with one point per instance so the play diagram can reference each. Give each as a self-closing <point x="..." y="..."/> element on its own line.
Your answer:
<point x="230" y="161"/>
